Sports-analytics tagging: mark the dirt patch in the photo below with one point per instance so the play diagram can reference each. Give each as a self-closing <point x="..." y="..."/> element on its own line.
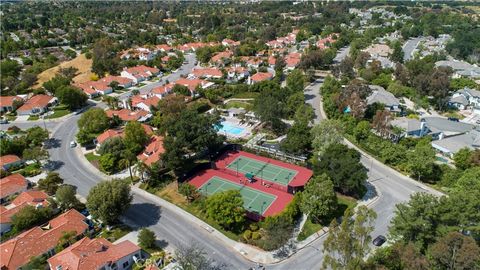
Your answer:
<point x="80" y="62"/>
<point x="170" y="193"/>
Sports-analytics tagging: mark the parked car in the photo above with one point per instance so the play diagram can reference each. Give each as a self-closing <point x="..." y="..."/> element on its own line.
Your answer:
<point x="453" y="119"/>
<point x="3" y="121"/>
<point x="73" y="144"/>
<point x="379" y="240"/>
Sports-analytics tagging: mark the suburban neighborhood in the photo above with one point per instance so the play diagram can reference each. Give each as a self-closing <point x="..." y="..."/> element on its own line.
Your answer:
<point x="240" y="135"/>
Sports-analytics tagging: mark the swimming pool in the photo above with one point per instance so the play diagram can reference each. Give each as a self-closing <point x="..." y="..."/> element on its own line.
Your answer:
<point x="229" y="128"/>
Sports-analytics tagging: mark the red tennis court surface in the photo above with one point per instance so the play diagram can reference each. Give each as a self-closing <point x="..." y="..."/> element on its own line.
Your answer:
<point x="300" y="179"/>
<point x="283" y="198"/>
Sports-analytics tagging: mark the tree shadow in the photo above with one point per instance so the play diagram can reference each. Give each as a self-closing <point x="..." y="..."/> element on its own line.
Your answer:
<point x="53" y="165"/>
<point x="52" y="143"/>
<point x="370" y="193"/>
<point x="309" y="97"/>
<point x="144" y="214"/>
<point x="161" y="243"/>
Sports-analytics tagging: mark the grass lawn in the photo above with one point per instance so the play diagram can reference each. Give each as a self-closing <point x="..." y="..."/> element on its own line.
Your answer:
<point x="58" y="113"/>
<point x="10" y="117"/>
<point x="33" y="117"/>
<point x="239" y="104"/>
<point x="170" y="194"/>
<point x="312" y="227"/>
<point x="246" y="95"/>
<point x="141" y="84"/>
<point x="115" y="233"/>
<point x="93" y="159"/>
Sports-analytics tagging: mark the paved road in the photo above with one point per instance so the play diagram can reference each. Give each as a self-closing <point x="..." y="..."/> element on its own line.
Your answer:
<point x="183" y="70"/>
<point x="312" y="97"/>
<point x="409" y="47"/>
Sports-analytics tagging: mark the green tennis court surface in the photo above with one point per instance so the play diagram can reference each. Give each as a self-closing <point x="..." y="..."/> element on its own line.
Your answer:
<point x="253" y="200"/>
<point x="264" y="170"/>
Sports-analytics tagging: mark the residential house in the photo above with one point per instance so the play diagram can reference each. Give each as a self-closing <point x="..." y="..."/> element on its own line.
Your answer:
<point x="382" y="96"/>
<point x="192" y="84"/>
<point x="440" y="128"/>
<point x="252" y="62"/>
<point x="139" y="73"/>
<point x="9" y="103"/>
<point x="144" y="102"/>
<point x="207" y="73"/>
<point x="38" y="241"/>
<point x="38" y="104"/>
<point x="142" y="54"/>
<point x="97" y="253"/>
<point x="407" y="127"/>
<point x="292" y="60"/>
<point x="108" y="134"/>
<point x="451" y="145"/>
<point x="129" y="115"/>
<point x="122" y="81"/>
<point x="326" y="42"/>
<point x="95" y="88"/>
<point x="464" y="98"/>
<point x="12" y="185"/>
<point x="33" y="198"/>
<point x="237" y="73"/>
<point x="381" y="53"/>
<point x="461" y="68"/>
<point x="9" y="161"/>
<point x="153" y="151"/>
<point x="260" y="77"/>
<point x="162" y="91"/>
<point x="220" y="57"/>
<point x="272" y="61"/>
<point x="164" y="48"/>
<point x="230" y="43"/>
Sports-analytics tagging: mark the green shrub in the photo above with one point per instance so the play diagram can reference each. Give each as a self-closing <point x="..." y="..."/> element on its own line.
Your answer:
<point x="247" y="235"/>
<point x="256" y="235"/>
<point x="254" y="227"/>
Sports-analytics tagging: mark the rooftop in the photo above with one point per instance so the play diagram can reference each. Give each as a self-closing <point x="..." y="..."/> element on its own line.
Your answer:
<point x="12" y="184"/>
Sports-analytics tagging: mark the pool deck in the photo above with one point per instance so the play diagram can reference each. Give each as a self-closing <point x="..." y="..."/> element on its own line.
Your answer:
<point x="235" y="123"/>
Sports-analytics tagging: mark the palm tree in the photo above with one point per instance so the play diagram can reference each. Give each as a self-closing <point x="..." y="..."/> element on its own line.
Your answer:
<point x="128" y="157"/>
<point x="141" y="168"/>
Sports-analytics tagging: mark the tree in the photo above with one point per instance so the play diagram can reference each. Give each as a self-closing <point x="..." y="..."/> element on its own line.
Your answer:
<point x="298" y="139"/>
<point x="270" y="105"/>
<point x="28" y="216"/>
<point x="71" y="96"/>
<point x="319" y="200"/>
<point x="189" y="191"/>
<point x="362" y="131"/>
<point x="114" y="146"/>
<point x="68" y="72"/>
<point x="317" y="59"/>
<point x="296" y="81"/>
<point x="170" y="108"/>
<point x="50" y="183"/>
<point x="146" y="238"/>
<point x="226" y="208"/>
<point x="295" y="101"/>
<point x="127" y="160"/>
<point x="343" y="166"/>
<point x="135" y="137"/>
<point x="420" y="161"/>
<point x="193" y="257"/>
<point x="36" y="136"/>
<point x="324" y="134"/>
<point x="108" y="163"/>
<point x="56" y="83"/>
<point x="37" y="153"/>
<point x="104" y="58"/>
<point x="462" y="158"/>
<point x="108" y="200"/>
<point x="381" y="122"/>
<point x="92" y="122"/>
<point x="181" y="90"/>
<point x="416" y="221"/>
<point x="397" y="54"/>
<point x="348" y="243"/>
<point x="455" y="251"/>
<point x="65" y="197"/>
<point x="304" y="114"/>
<point x="398" y="256"/>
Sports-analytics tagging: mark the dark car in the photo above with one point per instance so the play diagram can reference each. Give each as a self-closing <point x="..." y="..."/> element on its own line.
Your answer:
<point x="379" y="240"/>
<point x="453" y="119"/>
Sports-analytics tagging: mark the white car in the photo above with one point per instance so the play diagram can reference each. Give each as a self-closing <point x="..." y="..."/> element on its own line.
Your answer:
<point x="73" y="144"/>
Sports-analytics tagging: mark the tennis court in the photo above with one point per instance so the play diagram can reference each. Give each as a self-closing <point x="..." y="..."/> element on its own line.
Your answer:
<point x="253" y="200"/>
<point x="264" y="170"/>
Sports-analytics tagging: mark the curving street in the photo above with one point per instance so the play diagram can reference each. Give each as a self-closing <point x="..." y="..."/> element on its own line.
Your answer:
<point x="173" y="229"/>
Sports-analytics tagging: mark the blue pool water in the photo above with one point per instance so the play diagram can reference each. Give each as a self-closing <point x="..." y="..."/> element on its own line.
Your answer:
<point x="226" y="127"/>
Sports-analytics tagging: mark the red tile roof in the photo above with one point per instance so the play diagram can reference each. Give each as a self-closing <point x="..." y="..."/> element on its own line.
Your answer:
<point x="38" y="101"/>
<point x="7" y="101"/>
<point x="207" y="72"/>
<point x="31" y="197"/>
<point x="164" y="47"/>
<point x="149" y="101"/>
<point x="261" y="76"/>
<point x="142" y="70"/>
<point x="164" y="89"/>
<point x="221" y="55"/>
<point x="127" y="115"/>
<point x="121" y="80"/>
<point x="109" y="133"/>
<point x="190" y="83"/>
<point x="153" y="151"/>
<point x="12" y="184"/>
<point x="88" y="254"/>
<point x="17" y="251"/>
<point x="7" y="159"/>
